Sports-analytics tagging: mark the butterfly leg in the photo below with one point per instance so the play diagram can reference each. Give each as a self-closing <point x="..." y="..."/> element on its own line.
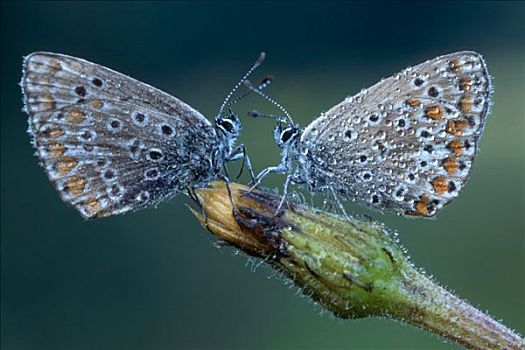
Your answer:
<point x="339" y="204"/>
<point x="289" y="179"/>
<point x="226" y="173"/>
<point x="193" y="195"/>
<point x="279" y="169"/>
<point x="239" y="152"/>
<point x="230" y="196"/>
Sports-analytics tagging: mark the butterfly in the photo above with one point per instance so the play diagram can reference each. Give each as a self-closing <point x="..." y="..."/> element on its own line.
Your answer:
<point x="111" y="144"/>
<point x="405" y="144"/>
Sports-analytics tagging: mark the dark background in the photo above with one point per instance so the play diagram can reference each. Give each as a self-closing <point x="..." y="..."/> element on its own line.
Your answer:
<point x="153" y="279"/>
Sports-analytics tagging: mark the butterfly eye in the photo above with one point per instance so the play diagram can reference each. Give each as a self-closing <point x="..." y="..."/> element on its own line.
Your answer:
<point x="227" y="125"/>
<point x="287" y="134"/>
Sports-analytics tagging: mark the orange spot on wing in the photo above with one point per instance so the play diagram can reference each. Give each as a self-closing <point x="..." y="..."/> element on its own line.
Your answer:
<point x="76" y="185"/>
<point x="92" y="206"/>
<point x="93" y="203"/>
<point x="97" y="104"/>
<point x="75" y="117"/>
<point x="56" y="132"/>
<point x="456" y="127"/>
<point x="48" y="101"/>
<point x="456" y="147"/>
<point x="413" y="102"/>
<point x="434" y="112"/>
<point x="422" y="205"/>
<point x="93" y="209"/>
<point x="451" y="165"/>
<point x="465" y="104"/>
<point x="465" y="84"/>
<point x="65" y="164"/>
<point x="56" y="149"/>
<point x="440" y="185"/>
<point x="455" y="66"/>
<point x="54" y="66"/>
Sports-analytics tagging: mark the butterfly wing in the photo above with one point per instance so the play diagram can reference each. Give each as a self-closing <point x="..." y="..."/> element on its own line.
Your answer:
<point x="110" y="143"/>
<point x="408" y="142"/>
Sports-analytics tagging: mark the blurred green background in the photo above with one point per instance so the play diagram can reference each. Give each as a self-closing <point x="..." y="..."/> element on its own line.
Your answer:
<point x="153" y="279"/>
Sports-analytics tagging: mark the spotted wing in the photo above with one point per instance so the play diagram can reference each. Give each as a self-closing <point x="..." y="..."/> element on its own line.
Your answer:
<point x="109" y="143"/>
<point x="408" y="142"/>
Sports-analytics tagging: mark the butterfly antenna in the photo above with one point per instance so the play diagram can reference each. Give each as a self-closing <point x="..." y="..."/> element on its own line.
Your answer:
<point x="250" y="71"/>
<point x="271" y="100"/>
<point x="256" y="114"/>
<point x="262" y="85"/>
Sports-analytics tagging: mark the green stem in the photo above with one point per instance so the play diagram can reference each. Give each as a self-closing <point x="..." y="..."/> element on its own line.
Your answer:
<point x="445" y="314"/>
<point x="353" y="268"/>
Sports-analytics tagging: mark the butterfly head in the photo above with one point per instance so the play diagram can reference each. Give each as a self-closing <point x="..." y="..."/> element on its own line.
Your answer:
<point x="286" y="136"/>
<point x="228" y="125"/>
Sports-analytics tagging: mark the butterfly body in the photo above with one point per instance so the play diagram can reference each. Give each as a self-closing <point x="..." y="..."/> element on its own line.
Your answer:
<point x="110" y="143"/>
